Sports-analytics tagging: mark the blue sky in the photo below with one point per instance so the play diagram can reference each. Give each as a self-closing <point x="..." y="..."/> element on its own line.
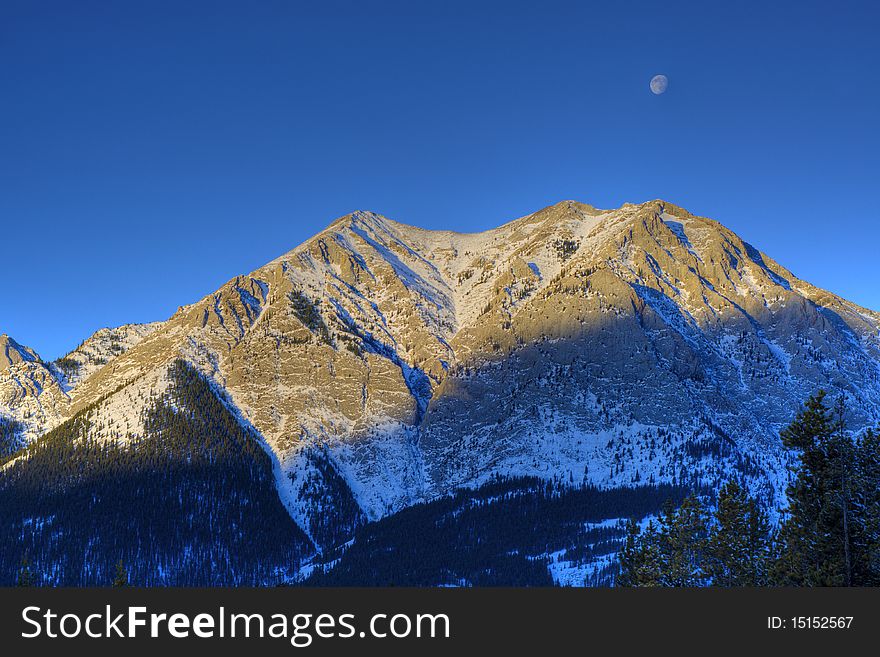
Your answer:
<point x="150" y="151"/>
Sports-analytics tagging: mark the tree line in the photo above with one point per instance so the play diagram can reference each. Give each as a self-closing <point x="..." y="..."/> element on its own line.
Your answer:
<point x="501" y="534"/>
<point x="10" y="437"/>
<point x="192" y="502"/>
<point x="829" y="534"/>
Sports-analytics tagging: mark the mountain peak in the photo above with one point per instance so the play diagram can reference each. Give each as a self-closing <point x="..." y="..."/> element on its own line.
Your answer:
<point x="12" y="353"/>
<point x="355" y="216"/>
<point x="383" y="364"/>
<point x="579" y="206"/>
<point x="561" y="210"/>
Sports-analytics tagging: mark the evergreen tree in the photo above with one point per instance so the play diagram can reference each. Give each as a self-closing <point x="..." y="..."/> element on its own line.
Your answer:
<point x="25" y="576"/>
<point x="121" y="578"/>
<point x="831" y="533"/>
<point x="816" y="538"/>
<point x="640" y="559"/>
<point x="670" y="554"/>
<point x="690" y="548"/>
<point x="738" y="546"/>
<point x="682" y="542"/>
<point x="630" y="556"/>
<point x="866" y="503"/>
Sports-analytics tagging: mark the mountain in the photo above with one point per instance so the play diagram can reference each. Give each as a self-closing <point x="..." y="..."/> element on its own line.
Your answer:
<point x="36" y="395"/>
<point x="98" y="350"/>
<point x="382" y="367"/>
<point x="12" y="353"/>
<point x="31" y="397"/>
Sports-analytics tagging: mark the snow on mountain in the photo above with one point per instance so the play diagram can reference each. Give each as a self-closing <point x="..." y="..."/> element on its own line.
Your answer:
<point x="36" y="394"/>
<point x="12" y="353"/>
<point x="392" y="364"/>
<point x="102" y="347"/>
<point x="30" y="396"/>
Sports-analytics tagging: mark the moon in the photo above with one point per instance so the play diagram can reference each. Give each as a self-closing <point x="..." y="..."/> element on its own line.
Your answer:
<point x="659" y="84"/>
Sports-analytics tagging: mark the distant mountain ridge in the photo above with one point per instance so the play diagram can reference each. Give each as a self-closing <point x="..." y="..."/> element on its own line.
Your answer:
<point x="382" y="364"/>
<point x="12" y="353"/>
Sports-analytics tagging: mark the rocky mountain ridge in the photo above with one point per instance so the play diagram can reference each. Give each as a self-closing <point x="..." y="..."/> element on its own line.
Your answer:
<point x="609" y="347"/>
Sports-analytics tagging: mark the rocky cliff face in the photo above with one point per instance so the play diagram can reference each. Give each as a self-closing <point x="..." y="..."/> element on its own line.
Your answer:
<point x="615" y="347"/>
<point x="12" y="353"/>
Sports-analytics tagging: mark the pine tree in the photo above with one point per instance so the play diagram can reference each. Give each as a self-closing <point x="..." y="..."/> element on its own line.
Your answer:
<point x="830" y="535"/>
<point x="759" y="546"/>
<point x="738" y="546"/>
<point x="669" y="554"/>
<point x="630" y="554"/>
<point x="800" y="558"/>
<point x="25" y="576"/>
<point x="640" y="560"/>
<point x="682" y="539"/>
<point x="686" y="549"/>
<point x="844" y="484"/>
<point x="121" y="577"/>
<point x="824" y="539"/>
<point x="866" y="501"/>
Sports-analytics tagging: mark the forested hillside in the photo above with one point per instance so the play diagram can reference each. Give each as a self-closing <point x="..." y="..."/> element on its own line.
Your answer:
<point x="511" y="532"/>
<point x="193" y="503"/>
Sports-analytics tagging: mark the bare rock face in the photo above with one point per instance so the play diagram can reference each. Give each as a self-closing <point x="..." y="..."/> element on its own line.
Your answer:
<point x="636" y="345"/>
<point x="12" y="353"/>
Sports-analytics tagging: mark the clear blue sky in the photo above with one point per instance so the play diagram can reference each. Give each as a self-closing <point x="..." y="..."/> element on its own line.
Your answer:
<point x="150" y="151"/>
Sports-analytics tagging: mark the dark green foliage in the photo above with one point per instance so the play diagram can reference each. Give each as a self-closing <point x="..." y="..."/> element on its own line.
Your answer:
<point x="565" y="248"/>
<point x="830" y="533"/>
<point x="866" y="503"/>
<point x="121" y="577"/>
<point x="25" y="577"/>
<point x="639" y="558"/>
<point x="688" y="547"/>
<point x="498" y="535"/>
<point x="351" y="343"/>
<point x="683" y="540"/>
<point x="670" y="553"/>
<point x="306" y="311"/>
<point x="738" y="549"/>
<point x="334" y="511"/>
<point x="194" y="503"/>
<point x="68" y="366"/>
<point x="10" y="440"/>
